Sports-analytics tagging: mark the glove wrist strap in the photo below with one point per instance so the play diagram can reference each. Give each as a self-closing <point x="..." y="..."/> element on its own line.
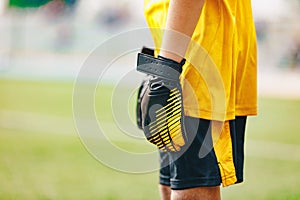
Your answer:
<point x="161" y="67"/>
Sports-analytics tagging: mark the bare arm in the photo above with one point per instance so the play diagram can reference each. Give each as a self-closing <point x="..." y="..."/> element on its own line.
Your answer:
<point x="182" y="18"/>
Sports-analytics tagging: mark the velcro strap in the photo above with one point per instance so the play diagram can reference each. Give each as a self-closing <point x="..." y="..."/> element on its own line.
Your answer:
<point x="158" y="67"/>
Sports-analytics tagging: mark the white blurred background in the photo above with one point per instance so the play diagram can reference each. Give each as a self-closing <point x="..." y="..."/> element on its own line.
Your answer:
<point x="52" y="41"/>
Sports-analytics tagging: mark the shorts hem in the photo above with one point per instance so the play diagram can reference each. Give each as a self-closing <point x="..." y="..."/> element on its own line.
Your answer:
<point x="164" y="181"/>
<point x="239" y="181"/>
<point x="187" y="184"/>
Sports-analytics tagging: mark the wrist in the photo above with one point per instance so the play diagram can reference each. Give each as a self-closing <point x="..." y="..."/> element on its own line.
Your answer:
<point x="170" y="56"/>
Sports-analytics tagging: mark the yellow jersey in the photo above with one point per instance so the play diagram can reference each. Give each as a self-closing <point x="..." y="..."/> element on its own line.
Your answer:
<point x="226" y="32"/>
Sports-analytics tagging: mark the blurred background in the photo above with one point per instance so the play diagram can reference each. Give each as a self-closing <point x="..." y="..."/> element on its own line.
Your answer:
<point x="43" y="44"/>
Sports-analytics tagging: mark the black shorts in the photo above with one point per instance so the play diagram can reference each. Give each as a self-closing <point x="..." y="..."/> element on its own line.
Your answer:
<point x="186" y="169"/>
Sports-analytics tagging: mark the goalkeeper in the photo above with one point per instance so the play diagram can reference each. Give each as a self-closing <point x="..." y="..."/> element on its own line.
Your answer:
<point x="225" y="29"/>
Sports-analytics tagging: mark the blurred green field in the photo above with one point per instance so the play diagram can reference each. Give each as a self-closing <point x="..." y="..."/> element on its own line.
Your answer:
<point x="42" y="157"/>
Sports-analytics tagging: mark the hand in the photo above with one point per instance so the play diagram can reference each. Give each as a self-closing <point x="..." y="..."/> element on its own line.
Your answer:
<point x="161" y="109"/>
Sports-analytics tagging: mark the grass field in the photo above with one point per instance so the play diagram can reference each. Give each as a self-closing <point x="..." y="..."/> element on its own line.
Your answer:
<point x="42" y="157"/>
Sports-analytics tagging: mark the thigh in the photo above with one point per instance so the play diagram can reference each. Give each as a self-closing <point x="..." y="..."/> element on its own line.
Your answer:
<point x="164" y="172"/>
<point x="187" y="168"/>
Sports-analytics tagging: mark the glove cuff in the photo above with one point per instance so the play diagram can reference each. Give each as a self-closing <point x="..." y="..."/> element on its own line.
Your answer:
<point x="173" y="61"/>
<point x="161" y="67"/>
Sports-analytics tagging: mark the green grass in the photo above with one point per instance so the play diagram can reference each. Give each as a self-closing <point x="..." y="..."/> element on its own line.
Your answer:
<point x="42" y="157"/>
<point x="278" y="120"/>
<point x="35" y="166"/>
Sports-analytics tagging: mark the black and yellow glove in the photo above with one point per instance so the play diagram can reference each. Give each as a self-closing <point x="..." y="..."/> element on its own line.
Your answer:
<point x="159" y="108"/>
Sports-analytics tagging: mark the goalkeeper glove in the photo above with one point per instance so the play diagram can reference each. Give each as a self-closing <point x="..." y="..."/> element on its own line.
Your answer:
<point x="159" y="108"/>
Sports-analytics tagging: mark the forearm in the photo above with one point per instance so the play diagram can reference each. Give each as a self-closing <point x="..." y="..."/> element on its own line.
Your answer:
<point x="182" y="19"/>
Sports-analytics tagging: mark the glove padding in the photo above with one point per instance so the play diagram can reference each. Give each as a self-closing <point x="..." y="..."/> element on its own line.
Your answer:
<point x="159" y="108"/>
